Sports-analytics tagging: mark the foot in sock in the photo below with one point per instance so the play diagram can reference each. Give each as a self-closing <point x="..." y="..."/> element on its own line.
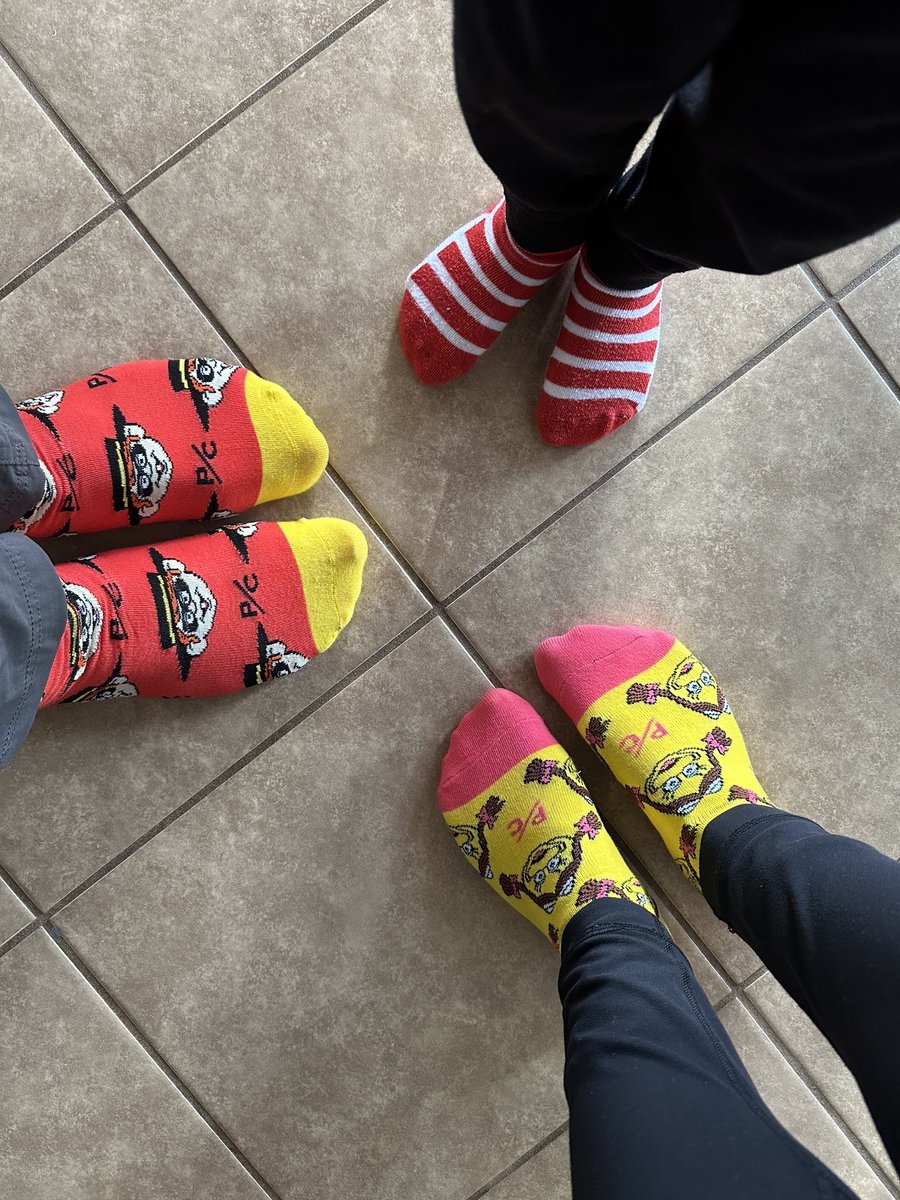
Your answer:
<point x="205" y="615"/>
<point x="659" y="720"/>
<point x="185" y="439"/>
<point x="601" y="367"/>
<point x="462" y="296"/>
<point x="520" y="813"/>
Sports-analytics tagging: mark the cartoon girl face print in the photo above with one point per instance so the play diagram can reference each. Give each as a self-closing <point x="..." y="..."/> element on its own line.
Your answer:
<point x="43" y="506"/>
<point x="85" y="618"/>
<point x="680" y="781"/>
<point x="543" y="868"/>
<point x="691" y="681"/>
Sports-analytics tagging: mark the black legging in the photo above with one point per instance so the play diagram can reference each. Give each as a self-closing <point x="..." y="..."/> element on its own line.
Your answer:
<point x="661" y="1105"/>
<point x="780" y="142"/>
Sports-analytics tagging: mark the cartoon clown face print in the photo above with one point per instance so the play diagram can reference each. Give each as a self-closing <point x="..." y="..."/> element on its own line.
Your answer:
<point x="117" y="686"/>
<point x="204" y="379"/>
<point x="43" y="506"/>
<point x="680" y="781"/>
<point x="46" y="405"/>
<point x="691" y="682"/>
<point x="149" y="470"/>
<point x="193" y="606"/>
<point x="546" y="871"/>
<point x="281" y="661"/>
<point x="85" y="620"/>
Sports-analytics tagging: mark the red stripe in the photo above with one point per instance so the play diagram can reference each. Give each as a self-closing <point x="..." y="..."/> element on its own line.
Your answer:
<point x="592" y="320"/>
<point x="600" y="296"/>
<point x="565" y="376"/>
<point x="494" y="269"/>
<point x="452" y="258"/>
<point x="572" y="343"/>
<point x="452" y="312"/>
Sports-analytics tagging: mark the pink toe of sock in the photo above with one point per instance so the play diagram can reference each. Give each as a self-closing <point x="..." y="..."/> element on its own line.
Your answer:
<point x="497" y="733"/>
<point x="588" y="661"/>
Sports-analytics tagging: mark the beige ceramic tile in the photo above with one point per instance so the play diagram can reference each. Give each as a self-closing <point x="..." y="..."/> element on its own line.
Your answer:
<point x="820" y="1061"/>
<point x="85" y="1114"/>
<point x="873" y="309"/>
<point x="13" y="913"/>
<point x="136" y="81"/>
<point x="47" y="193"/>
<point x="794" y="1105"/>
<point x="315" y="958"/>
<point x="709" y="978"/>
<point x="88" y="781"/>
<point x="765" y="532"/>
<point x="308" y="278"/>
<point x="107" y="299"/>
<point x="543" y="1177"/>
<point x="838" y="269"/>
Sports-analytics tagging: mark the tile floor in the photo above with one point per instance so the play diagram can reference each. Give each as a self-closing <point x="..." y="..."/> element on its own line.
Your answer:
<point x="210" y="985"/>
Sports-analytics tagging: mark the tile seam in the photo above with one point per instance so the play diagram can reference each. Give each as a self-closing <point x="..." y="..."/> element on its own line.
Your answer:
<point x="820" y="1096"/>
<point x="121" y="1014"/>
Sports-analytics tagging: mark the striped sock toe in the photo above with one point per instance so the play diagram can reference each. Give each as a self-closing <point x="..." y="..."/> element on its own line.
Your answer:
<point x="601" y="367"/>
<point x="463" y="295"/>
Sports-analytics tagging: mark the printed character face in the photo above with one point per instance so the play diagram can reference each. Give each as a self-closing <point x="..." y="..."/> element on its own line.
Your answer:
<point x="193" y="606"/>
<point x="679" y="782"/>
<point x="209" y="376"/>
<point x="46" y="405"/>
<point x="47" y="499"/>
<point x="692" y="682"/>
<point x="544" y="866"/>
<point x="85" y="618"/>
<point x="149" y="470"/>
<point x="281" y="661"/>
<point x="466" y="837"/>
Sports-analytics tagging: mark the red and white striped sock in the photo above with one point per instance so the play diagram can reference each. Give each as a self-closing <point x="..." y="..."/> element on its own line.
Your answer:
<point x="462" y="296"/>
<point x="600" y="369"/>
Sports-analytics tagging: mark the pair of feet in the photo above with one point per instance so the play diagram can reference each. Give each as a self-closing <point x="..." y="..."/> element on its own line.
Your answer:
<point x="189" y="439"/>
<point x="518" y="808"/>
<point x="462" y="296"/>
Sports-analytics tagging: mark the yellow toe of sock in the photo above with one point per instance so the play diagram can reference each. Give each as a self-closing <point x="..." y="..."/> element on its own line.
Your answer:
<point x="294" y="452"/>
<point x="330" y="555"/>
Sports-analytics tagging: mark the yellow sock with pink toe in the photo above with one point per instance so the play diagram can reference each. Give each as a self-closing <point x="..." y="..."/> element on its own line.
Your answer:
<point x="520" y="813"/>
<point x="659" y="720"/>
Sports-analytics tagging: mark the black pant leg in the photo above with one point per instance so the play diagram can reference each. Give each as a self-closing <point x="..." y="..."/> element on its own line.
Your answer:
<point x="823" y="913"/>
<point x="660" y="1104"/>
<point x="556" y="96"/>
<point x="785" y="146"/>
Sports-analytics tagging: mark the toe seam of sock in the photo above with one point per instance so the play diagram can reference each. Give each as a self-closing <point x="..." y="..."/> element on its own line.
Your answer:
<point x="579" y="670"/>
<point x="490" y="746"/>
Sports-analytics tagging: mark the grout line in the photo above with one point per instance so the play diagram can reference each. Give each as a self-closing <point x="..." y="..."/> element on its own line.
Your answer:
<point x="72" y="141"/>
<point x="20" y="893"/>
<point x="588" y="491"/>
<point x="245" y="759"/>
<point x="811" y="1085"/>
<point x="855" y="334"/>
<point x="248" y="101"/>
<point x="147" y="1046"/>
<point x="865" y="275"/>
<point x="519" y="1162"/>
<point x="21" y="935"/>
<point x="55" y="251"/>
<point x="753" y="977"/>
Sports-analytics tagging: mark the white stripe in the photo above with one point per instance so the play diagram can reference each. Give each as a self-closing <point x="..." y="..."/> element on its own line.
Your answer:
<point x="456" y="236"/>
<point x="438" y="321"/>
<point x="574" y="393"/>
<point x="601" y="335"/>
<point x="596" y="364"/>
<point x="613" y="312"/>
<point x="466" y="251"/>
<point x="460" y="296"/>
<point x="604" y="287"/>
<point x="530" y="280"/>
